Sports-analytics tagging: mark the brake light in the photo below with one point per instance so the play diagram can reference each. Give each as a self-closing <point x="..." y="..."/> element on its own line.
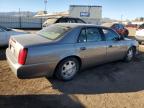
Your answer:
<point x="22" y="56"/>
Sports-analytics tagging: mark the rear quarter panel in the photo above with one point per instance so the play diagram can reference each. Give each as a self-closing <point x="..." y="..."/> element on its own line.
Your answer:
<point x="49" y="54"/>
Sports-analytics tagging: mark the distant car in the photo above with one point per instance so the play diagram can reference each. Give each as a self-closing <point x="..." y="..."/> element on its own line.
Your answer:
<point x="63" y="49"/>
<point x="119" y="28"/>
<point x="62" y="20"/>
<point x="5" y="34"/>
<point x="140" y="34"/>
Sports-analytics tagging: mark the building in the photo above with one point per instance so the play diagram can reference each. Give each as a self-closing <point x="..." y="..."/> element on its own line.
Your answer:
<point x="90" y="14"/>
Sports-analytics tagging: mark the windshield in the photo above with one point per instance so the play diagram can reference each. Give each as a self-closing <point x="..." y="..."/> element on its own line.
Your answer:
<point x="54" y="32"/>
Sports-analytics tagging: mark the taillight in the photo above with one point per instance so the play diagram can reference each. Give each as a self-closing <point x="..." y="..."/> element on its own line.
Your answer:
<point x="22" y="56"/>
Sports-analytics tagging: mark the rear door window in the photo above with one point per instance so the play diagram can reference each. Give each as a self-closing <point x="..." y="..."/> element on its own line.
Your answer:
<point x="91" y="34"/>
<point x="82" y="36"/>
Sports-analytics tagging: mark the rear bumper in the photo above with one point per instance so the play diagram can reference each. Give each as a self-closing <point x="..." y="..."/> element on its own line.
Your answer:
<point x="31" y="70"/>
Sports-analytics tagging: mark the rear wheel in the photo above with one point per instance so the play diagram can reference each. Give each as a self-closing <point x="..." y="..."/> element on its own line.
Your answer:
<point x="130" y="54"/>
<point x="67" y="69"/>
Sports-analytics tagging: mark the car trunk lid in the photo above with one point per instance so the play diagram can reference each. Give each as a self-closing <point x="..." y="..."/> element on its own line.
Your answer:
<point x="30" y="39"/>
<point x="18" y="43"/>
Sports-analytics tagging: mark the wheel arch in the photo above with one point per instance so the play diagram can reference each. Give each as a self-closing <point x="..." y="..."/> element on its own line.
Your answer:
<point x="72" y="56"/>
<point x="134" y="47"/>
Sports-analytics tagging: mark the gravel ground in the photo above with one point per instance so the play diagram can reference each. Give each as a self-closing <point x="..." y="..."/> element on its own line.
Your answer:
<point x="112" y="85"/>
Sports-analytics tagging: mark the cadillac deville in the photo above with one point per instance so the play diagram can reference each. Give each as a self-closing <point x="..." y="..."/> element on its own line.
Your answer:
<point x="63" y="49"/>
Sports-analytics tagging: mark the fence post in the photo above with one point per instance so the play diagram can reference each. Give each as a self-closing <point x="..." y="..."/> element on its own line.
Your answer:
<point x="20" y="21"/>
<point x="41" y="23"/>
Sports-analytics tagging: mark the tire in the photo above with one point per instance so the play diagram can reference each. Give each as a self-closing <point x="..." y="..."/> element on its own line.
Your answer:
<point x="130" y="54"/>
<point x="67" y="69"/>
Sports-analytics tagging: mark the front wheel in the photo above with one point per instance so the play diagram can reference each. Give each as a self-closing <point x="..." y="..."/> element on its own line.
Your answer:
<point x="130" y="54"/>
<point x="67" y="69"/>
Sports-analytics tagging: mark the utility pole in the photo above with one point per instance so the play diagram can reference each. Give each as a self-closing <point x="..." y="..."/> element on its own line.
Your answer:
<point x="19" y="18"/>
<point x="45" y="2"/>
<point x="121" y="18"/>
<point x="91" y="2"/>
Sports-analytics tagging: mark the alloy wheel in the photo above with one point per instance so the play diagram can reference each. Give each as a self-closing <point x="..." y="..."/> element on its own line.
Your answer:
<point x="68" y="69"/>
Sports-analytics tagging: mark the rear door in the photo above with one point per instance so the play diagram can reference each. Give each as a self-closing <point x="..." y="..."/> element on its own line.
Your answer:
<point x="91" y="46"/>
<point x="116" y="48"/>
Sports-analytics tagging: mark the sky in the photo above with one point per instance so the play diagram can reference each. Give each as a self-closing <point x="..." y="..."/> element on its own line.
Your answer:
<point x="115" y="9"/>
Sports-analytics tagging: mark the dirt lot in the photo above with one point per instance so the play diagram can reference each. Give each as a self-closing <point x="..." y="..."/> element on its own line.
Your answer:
<point x="113" y="85"/>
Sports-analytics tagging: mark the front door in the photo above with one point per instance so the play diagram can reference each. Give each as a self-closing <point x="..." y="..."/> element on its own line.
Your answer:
<point x="116" y="49"/>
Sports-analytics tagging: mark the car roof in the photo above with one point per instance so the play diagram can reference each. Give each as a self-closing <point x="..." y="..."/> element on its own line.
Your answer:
<point x="74" y="25"/>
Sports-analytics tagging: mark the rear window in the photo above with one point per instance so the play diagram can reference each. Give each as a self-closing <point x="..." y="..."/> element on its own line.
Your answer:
<point x="54" y="32"/>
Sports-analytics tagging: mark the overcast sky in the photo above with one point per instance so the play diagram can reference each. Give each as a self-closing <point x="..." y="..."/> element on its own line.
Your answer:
<point x="129" y="9"/>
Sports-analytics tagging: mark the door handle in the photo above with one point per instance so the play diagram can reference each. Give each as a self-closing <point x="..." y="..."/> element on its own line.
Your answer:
<point x="110" y="46"/>
<point x="83" y="48"/>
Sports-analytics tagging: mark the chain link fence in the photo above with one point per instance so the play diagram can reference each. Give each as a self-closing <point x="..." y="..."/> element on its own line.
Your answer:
<point x="21" y="22"/>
